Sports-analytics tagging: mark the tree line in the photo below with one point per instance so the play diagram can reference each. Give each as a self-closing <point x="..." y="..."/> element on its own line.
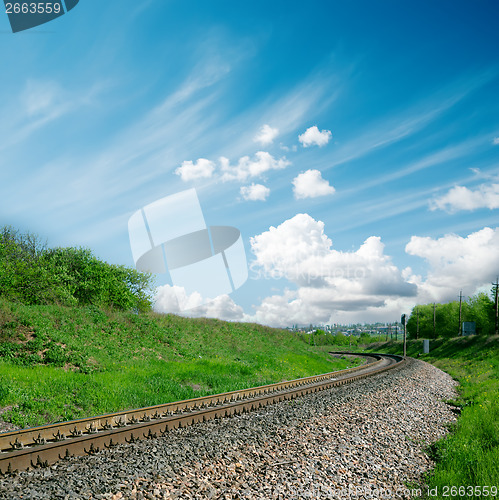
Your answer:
<point x="33" y="274"/>
<point x="442" y="320"/>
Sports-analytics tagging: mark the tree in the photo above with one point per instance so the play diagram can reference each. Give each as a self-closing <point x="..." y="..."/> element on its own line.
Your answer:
<point x="480" y="308"/>
<point x="425" y="322"/>
<point x="32" y="274"/>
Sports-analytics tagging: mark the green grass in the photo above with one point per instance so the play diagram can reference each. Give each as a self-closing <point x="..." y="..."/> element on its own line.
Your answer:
<point x="469" y="455"/>
<point x="60" y="363"/>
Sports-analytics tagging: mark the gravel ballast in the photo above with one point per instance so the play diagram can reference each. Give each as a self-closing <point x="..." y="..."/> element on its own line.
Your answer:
<point x="362" y="440"/>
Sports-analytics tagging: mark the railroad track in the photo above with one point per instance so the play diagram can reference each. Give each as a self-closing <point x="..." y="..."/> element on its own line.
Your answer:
<point x="42" y="446"/>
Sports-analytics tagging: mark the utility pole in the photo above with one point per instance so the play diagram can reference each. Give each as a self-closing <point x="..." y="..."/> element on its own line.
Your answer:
<point x="459" y="330"/>
<point x="496" y="290"/>
<point x="396" y="331"/>
<point x="434" y="321"/>
<point x="417" y="323"/>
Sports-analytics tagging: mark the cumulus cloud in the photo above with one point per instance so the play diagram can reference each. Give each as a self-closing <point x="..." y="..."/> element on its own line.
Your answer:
<point x="364" y="284"/>
<point x="462" y="198"/>
<point x="255" y="192"/>
<point x="495" y="141"/>
<point x="310" y="184"/>
<point x="313" y="137"/>
<point x="329" y="281"/>
<point x="222" y="307"/>
<point x="175" y="300"/>
<point x="266" y="135"/>
<point x="456" y="263"/>
<point x="190" y="171"/>
<point x="248" y="167"/>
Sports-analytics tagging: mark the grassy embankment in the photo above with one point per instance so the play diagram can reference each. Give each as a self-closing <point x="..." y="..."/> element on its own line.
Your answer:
<point x="60" y="363"/>
<point x="469" y="455"/>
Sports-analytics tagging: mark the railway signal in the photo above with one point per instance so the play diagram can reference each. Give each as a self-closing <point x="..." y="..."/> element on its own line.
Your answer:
<point x="404" y="322"/>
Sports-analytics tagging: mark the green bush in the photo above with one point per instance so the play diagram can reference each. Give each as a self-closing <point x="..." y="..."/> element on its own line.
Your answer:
<point x="32" y="274"/>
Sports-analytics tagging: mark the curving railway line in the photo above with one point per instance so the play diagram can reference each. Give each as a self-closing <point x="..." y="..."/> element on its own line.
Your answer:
<point x="42" y="446"/>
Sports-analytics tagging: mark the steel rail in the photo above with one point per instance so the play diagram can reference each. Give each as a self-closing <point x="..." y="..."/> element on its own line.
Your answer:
<point x="44" y="445"/>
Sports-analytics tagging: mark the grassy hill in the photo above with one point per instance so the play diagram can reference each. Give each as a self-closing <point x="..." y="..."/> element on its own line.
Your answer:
<point x="59" y="363"/>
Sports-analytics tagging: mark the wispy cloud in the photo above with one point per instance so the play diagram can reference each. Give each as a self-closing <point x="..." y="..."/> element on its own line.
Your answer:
<point x="402" y="125"/>
<point x="74" y="189"/>
<point x="433" y="159"/>
<point x="42" y="102"/>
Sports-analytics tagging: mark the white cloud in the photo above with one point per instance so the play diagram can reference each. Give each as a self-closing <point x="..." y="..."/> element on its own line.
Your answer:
<point x="310" y="184"/>
<point x="495" y="142"/>
<point x="462" y="198"/>
<point x="189" y="171"/>
<point x="255" y="192"/>
<point x="329" y="281"/>
<point x="222" y="307"/>
<point x="313" y="137"/>
<point x="266" y="135"/>
<point x="175" y="300"/>
<point x="456" y="263"/>
<point x="247" y="168"/>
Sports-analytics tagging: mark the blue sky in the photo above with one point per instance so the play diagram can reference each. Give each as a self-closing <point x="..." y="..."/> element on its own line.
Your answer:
<point x="365" y="134"/>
